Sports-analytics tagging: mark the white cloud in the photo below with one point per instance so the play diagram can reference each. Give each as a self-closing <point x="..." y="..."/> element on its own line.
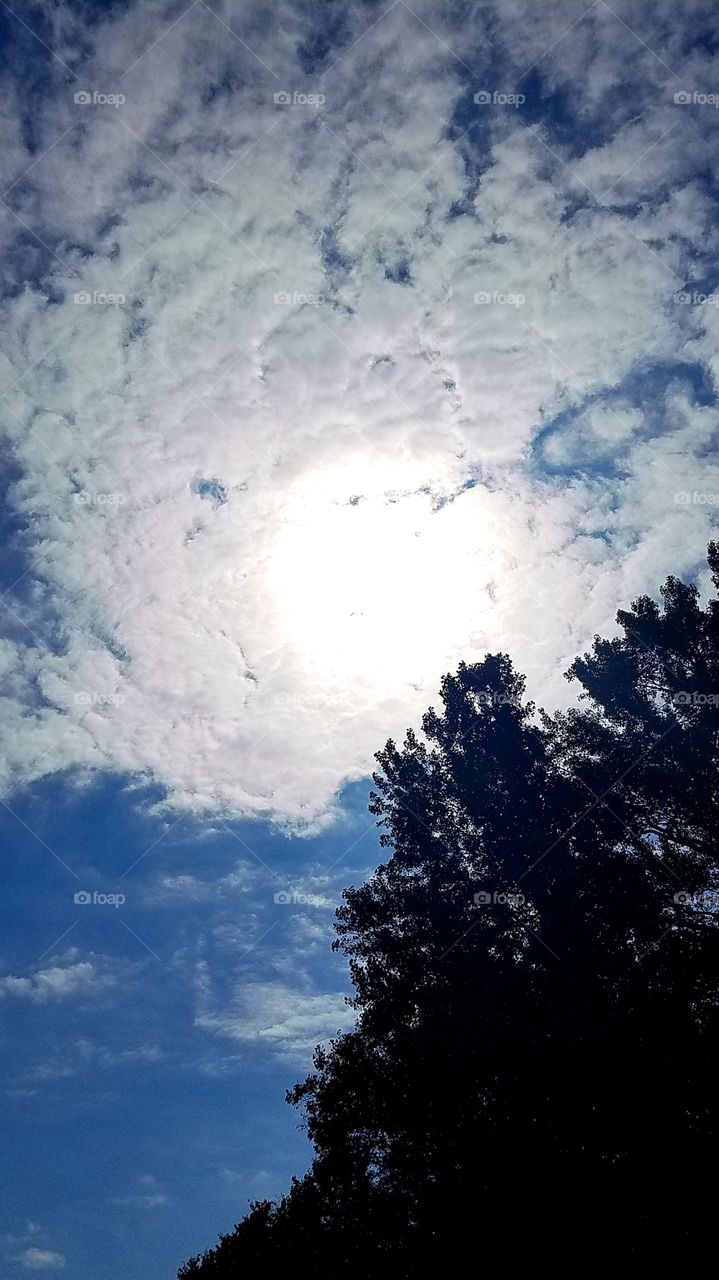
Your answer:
<point x="288" y="1020"/>
<point x="185" y="887"/>
<point x="57" y="982"/>
<point x="41" y="1259"/>
<point x="251" y="517"/>
<point x="16" y="1247"/>
<point x="149" y="1196"/>
<point x="260" y="1180"/>
<point x="107" y="1057"/>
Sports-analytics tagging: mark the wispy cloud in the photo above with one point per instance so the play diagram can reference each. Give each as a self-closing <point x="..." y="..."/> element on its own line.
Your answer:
<point x="276" y="1016"/>
<point x="27" y="1248"/>
<point x="41" y="1259"/>
<point x="148" y="1196"/>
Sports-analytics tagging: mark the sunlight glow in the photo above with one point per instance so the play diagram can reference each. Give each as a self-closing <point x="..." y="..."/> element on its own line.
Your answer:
<point x="374" y="583"/>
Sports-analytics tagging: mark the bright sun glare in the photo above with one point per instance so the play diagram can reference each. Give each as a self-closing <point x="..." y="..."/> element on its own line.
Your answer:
<point x="373" y="584"/>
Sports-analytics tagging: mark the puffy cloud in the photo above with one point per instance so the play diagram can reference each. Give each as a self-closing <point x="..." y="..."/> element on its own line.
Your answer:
<point x="58" y="982"/>
<point x="362" y="388"/>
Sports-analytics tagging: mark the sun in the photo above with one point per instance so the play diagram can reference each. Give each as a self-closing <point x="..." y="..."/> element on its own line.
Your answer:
<point x="370" y="581"/>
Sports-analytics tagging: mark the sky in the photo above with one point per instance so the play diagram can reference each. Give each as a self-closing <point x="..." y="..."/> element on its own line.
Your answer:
<point x="341" y="342"/>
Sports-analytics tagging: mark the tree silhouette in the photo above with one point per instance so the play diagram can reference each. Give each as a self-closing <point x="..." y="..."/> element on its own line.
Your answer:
<point x="532" y="1073"/>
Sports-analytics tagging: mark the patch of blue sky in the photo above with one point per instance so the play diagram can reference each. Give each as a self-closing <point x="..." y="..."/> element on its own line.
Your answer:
<point x="566" y="445"/>
<point x="212" y="489"/>
<point x="144" y="1050"/>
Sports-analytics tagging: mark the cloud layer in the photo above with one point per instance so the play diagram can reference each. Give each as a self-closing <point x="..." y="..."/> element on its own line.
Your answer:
<point x="352" y="390"/>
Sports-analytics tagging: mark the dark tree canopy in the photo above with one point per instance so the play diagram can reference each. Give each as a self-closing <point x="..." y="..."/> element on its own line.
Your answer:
<point x="533" y="1070"/>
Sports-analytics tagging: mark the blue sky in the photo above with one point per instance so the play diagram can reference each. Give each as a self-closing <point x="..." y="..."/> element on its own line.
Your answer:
<point x="148" y="1050"/>
<point x="341" y="342"/>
